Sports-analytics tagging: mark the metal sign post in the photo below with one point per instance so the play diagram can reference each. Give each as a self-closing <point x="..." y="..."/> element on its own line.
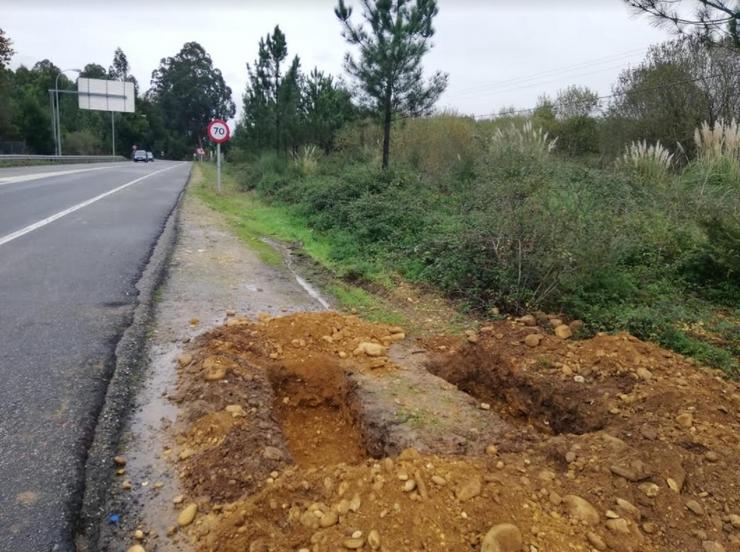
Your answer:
<point x="218" y="167"/>
<point x="218" y="132"/>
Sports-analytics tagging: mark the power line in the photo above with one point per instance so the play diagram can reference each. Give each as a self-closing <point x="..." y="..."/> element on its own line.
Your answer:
<point x="600" y="98"/>
<point x="540" y="83"/>
<point x="557" y="70"/>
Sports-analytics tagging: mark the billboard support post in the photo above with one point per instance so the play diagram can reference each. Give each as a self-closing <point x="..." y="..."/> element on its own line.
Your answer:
<point x="113" y="131"/>
<point x="58" y="116"/>
<point x="53" y="119"/>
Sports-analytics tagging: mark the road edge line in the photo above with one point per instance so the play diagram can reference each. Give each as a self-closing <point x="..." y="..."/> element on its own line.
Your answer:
<point x="7" y="181"/>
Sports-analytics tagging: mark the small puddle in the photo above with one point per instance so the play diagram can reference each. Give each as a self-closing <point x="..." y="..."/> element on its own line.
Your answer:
<point x="154" y="484"/>
<point x="313" y="406"/>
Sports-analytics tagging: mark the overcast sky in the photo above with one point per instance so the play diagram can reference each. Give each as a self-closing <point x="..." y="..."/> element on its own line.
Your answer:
<point x="497" y="52"/>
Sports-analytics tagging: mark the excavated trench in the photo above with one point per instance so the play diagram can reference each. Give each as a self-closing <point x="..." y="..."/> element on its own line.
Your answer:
<point x="315" y="407"/>
<point x="521" y="397"/>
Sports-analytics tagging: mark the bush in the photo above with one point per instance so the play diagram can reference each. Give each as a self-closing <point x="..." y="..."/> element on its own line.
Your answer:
<point x="526" y="229"/>
<point x="306" y="160"/>
<point x="82" y="142"/>
<point x="650" y="164"/>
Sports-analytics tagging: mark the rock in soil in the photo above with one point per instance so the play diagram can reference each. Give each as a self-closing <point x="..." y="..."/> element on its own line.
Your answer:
<point x="504" y="537"/>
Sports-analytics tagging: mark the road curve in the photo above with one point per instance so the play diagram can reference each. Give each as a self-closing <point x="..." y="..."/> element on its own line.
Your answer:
<point x="74" y="241"/>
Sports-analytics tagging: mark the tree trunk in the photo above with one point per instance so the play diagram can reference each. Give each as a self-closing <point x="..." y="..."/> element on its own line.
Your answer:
<point x="277" y="108"/>
<point x="387" y="132"/>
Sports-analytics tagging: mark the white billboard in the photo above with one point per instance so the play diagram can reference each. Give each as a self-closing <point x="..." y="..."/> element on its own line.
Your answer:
<point x="106" y="95"/>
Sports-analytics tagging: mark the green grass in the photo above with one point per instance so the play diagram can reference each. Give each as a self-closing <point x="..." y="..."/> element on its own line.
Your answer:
<point x="610" y="251"/>
<point x="366" y="304"/>
<point x="252" y="220"/>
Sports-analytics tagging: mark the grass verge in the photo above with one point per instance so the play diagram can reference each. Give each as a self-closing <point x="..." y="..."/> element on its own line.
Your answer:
<point x="252" y="220"/>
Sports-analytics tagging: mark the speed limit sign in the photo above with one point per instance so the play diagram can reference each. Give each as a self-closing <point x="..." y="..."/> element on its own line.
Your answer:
<point x="218" y="131"/>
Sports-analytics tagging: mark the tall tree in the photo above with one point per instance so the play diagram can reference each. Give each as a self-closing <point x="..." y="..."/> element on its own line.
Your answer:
<point x="7" y="128"/>
<point x="94" y="71"/>
<point x="389" y="70"/>
<point x="289" y="100"/>
<point x="576" y="101"/>
<point x="261" y="119"/>
<point x="277" y="49"/>
<point x="256" y="128"/>
<point x="273" y="113"/>
<point x="326" y="105"/>
<point x="190" y="92"/>
<point x="6" y="49"/>
<point x="119" y="69"/>
<point x="660" y="99"/>
<point x="714" y="20"/>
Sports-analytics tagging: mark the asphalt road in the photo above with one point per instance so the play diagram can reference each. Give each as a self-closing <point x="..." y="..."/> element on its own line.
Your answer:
<point x="74" y="241"/>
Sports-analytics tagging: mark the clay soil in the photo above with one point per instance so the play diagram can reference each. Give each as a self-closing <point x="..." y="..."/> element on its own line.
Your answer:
<point x="321" y="432"/>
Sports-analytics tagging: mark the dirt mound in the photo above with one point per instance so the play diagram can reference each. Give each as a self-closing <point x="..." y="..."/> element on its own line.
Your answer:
<point x="622" y="445"/>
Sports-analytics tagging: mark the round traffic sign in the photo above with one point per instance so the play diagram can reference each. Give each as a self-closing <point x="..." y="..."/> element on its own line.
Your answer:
<point x="218" y="131"/>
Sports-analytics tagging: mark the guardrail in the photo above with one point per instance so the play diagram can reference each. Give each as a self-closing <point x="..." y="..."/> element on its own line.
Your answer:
<point x="63" y="158"/>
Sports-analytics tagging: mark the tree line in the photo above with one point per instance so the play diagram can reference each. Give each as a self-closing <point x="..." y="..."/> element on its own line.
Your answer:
<point x="283" y="106"/>
<point x="680" y="84"/>
<point x="186" y="92"/>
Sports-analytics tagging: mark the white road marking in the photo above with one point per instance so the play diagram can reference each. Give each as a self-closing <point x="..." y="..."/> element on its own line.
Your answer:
<point x="40" y="224"/>
<point x="37" y="176"/>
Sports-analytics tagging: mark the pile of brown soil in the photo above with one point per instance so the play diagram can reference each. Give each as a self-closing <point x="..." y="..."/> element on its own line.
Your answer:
<point x="625" y="446"/>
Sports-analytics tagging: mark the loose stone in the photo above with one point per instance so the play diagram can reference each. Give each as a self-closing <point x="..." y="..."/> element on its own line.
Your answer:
<point x="187" y="515"/>
<point x="581" y="509"/>
<point x="504" y="537"/>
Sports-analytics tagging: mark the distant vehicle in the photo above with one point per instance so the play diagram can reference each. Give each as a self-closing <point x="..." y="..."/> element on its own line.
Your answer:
<point x="140" y="155"/>
<point x="150" y="156"/>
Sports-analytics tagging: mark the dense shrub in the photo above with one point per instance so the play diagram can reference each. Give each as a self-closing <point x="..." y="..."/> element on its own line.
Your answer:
<point x="626" y="247"/>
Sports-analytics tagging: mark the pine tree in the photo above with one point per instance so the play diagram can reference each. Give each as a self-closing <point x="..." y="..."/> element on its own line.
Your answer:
<point x="326" y="105"/>
<point x="263" y="116"/>
<point x="289" y="99"/>
<point x="715" y="21"/>
<point x="389" y="68"/>
<point x="119" y="69"/>
<point x="6" y="49"/>
<point x="278" y="51"/>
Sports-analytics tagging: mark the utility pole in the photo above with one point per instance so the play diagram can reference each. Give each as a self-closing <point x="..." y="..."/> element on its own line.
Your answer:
<point x="58" y="116"/>
<point x="53" y="120"/>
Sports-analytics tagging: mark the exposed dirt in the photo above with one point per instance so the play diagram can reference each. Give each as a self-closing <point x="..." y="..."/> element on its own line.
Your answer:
<point x="211" y="271"/>
<point x="322" y="432"/>
<point x="301" y="436"/>
<point x="313" y="403"/>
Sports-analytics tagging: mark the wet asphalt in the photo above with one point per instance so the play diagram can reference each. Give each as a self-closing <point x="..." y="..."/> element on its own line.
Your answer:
<point x="67" y="294"/>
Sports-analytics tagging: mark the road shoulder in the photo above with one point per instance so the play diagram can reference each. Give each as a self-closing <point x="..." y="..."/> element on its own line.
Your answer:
<point x="128" y="362"/>
<point x="210" y="272"/>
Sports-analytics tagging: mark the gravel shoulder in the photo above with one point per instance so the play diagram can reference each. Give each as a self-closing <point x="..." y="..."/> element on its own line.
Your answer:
<point x="210" y="272"/>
